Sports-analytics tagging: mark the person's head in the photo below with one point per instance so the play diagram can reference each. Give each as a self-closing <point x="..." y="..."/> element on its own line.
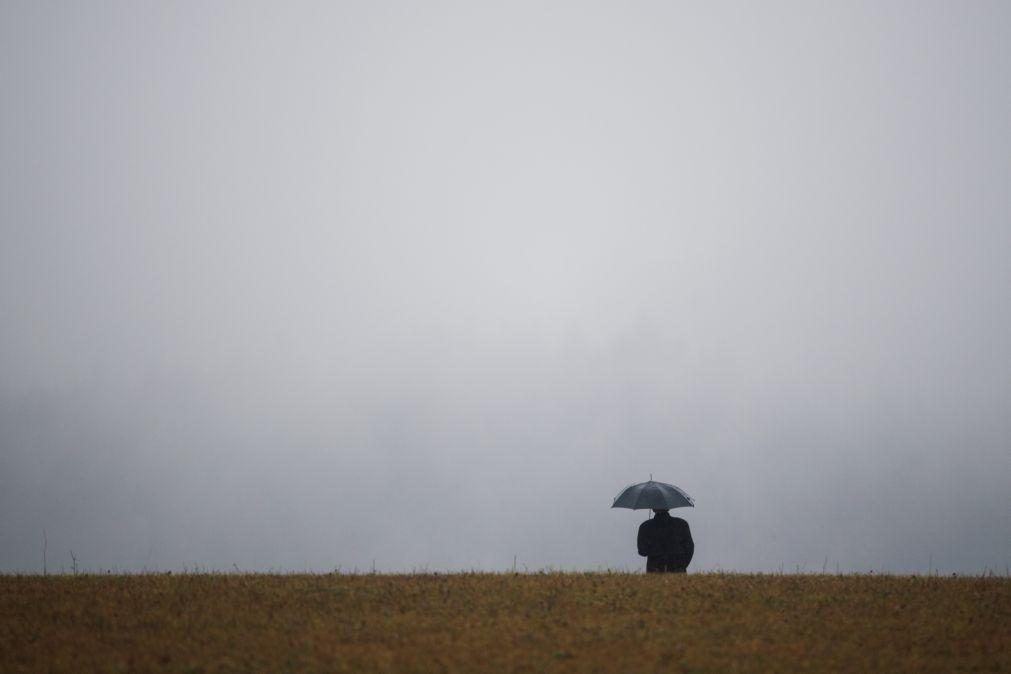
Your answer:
<point x="658" y="511"/>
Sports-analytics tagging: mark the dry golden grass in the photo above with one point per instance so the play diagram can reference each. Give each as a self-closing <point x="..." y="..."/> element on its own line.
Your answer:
<point x="504" y="623"/>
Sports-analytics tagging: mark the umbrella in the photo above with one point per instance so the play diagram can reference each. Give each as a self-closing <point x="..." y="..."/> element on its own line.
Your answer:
<point x="653" y="495"/>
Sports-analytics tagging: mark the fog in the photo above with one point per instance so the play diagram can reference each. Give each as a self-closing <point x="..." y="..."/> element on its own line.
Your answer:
<point x="316" y="286"/>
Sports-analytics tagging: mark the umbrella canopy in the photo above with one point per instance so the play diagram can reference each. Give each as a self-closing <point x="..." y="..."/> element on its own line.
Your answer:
<point x="654" y="496"/>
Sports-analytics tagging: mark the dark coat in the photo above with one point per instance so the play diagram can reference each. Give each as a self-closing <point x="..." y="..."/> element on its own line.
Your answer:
<point x="666" y="542"/>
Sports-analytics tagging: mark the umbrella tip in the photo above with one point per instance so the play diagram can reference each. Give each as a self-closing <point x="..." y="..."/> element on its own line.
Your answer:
<point x="651" y="477"/>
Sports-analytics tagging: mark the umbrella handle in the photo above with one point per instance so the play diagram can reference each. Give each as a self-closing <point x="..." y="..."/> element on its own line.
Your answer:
<point x="651" y="510"/>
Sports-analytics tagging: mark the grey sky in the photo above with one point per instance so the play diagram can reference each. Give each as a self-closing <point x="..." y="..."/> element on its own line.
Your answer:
<point x="306" y="285"/>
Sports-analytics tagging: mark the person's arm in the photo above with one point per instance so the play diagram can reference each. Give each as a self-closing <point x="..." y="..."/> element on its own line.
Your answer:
<point x="685" y="544"/>
<point x="642" y="542"/>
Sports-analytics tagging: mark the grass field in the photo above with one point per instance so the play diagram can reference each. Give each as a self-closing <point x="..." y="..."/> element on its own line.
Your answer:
<point x="504" y="623"/>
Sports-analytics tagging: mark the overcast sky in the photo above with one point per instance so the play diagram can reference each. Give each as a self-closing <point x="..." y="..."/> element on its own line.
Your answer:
<point x="305" y="285"/>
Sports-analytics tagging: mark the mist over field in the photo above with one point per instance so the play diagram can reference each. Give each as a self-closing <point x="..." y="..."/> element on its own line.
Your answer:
<point x="313" y="285"/>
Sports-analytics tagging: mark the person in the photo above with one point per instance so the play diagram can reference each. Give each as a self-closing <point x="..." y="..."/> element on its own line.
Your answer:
<point x="666" y="543"/>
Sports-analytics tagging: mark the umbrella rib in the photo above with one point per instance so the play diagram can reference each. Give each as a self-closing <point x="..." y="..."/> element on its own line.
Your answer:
<point x="638" y="499"/>
<point x="622" y="493"/>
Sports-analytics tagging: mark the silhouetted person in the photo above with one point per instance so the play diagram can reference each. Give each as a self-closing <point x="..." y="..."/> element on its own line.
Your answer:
<point x="666" y="543"/>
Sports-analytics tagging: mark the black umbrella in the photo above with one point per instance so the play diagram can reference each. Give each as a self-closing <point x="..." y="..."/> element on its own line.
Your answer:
<point x="653" y="496"/>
